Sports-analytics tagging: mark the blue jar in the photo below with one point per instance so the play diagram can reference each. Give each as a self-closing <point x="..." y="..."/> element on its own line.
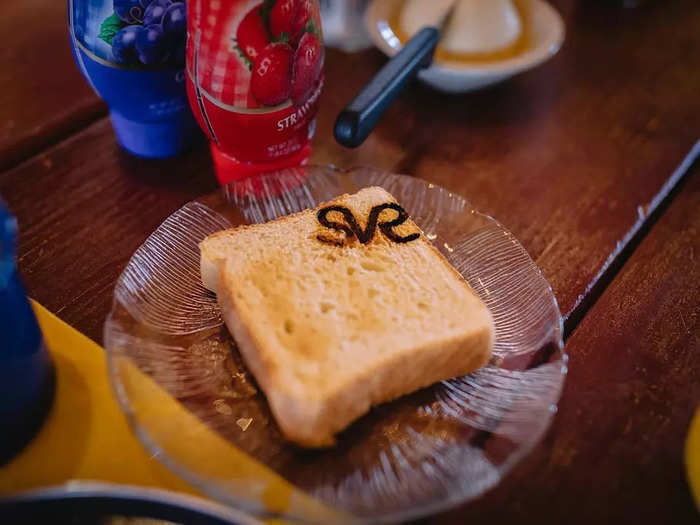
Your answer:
<point x="132" y="52"/>
<point x="26" y="373"/>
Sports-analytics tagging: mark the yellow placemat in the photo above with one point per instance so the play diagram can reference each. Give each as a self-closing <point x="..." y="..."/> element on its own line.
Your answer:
<point x="692" y="457"/>
<point x="86" y="435"/>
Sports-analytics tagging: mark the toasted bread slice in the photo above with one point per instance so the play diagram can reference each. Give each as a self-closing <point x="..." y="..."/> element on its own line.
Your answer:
<point x="331" y="322"/>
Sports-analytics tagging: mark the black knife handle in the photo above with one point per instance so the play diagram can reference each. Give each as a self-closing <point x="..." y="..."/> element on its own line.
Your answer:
<point x="358" y="119"/>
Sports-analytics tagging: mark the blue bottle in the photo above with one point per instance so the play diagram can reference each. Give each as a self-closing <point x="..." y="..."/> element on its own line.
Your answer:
<point x="132" y="52"/>
<point x="26" y="372"/>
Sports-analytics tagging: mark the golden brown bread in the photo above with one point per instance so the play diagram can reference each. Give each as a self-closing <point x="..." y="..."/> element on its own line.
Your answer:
<point x="332" y="322"/>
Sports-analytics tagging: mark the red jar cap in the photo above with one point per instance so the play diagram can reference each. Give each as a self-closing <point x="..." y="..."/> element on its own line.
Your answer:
<point x="229" y="169"/>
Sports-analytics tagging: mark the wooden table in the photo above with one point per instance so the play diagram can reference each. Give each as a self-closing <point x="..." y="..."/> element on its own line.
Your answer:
<point x="587" y="159"/>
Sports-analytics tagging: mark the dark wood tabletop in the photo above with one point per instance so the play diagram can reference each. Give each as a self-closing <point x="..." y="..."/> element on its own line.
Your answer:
<point x="588" y="160"/>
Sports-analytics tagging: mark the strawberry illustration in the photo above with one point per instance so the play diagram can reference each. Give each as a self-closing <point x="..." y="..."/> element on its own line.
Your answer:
<point x="306" y="70"/>
<point x="251" y="35"/>
<point x="282" y="16"/>
<point x="270" y="82"/>
<point x="303" y="21"/>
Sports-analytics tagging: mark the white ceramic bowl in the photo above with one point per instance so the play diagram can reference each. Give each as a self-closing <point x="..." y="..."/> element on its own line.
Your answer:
<point x="546" y="29"/>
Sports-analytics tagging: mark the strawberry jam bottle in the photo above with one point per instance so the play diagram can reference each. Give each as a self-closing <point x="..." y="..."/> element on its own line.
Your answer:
<point x="254" y="75"/>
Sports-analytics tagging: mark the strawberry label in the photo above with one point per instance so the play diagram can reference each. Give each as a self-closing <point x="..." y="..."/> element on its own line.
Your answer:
<point x="254" y="72"/>
<point x="271" y="78"/>
<point x="307" y="66"/>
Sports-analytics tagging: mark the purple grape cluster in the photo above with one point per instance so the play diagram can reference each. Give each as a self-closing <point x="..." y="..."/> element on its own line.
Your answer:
<point x="154" y="34"/>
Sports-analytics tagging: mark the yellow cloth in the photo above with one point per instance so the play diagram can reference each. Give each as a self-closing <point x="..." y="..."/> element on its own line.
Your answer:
<point x="692" y="457"/>
<point x="86" y="435"/>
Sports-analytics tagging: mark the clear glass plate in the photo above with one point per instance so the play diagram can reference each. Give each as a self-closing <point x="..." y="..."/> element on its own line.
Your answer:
<point x="420" y="454"/>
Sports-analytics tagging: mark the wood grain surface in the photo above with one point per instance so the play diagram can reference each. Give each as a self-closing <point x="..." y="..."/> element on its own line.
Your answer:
<point x="568" y="156"/>
<point x="43" y="97"/>
<point x="615" y="451"/>
<point x="572" y="157"/>
<point x="86" y="209"/>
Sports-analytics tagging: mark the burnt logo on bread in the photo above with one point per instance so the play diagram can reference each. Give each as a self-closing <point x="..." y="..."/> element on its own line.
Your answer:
<point x="351" y="228"/>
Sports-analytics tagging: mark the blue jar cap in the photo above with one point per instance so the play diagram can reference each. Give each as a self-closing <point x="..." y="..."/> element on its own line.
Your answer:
<point x="26" y="374"/>
<point x="19" y="330"/>
<point x="23" y="359"/>
<point x="166" y="137"/>
<point x="8" y="243"/>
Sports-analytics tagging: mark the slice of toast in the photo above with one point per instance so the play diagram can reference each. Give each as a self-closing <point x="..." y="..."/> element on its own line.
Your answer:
<point x="333" y="315"/>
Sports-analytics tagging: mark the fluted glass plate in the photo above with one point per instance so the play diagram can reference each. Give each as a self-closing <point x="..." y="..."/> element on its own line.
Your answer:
<point x="420" y="454"/>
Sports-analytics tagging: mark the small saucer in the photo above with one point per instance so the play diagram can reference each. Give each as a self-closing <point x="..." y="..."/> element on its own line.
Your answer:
<point x="545" y="29"/>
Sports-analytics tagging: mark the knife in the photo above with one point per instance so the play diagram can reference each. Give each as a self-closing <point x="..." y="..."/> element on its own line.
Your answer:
<point x="358" y="119"/>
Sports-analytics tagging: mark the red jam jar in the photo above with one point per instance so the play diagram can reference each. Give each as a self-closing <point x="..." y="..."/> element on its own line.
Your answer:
<point x="254" y="75"/>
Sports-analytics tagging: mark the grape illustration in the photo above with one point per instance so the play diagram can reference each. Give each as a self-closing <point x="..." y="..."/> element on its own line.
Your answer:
<point x="155" y="33"/>
<point x="174" y="22"/>
<point x="151" y="45"/>
<point x="129" y="11"/>
<point x="124" y="44"/>
<point x="154" y="12"/>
